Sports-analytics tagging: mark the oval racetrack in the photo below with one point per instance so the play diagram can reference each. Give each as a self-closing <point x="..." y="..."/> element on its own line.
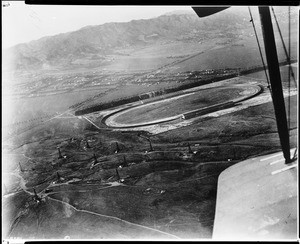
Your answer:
<point x="172" y="108"/>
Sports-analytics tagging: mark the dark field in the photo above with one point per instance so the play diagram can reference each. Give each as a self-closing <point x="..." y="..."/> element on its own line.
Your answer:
<point x="284" y="75"/>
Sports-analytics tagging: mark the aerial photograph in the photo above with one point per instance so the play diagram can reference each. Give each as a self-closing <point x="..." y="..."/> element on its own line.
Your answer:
<point x="155" y="123"/>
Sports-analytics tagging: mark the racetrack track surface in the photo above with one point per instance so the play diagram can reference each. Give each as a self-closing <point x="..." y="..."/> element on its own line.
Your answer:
<point x="201" y="101"/>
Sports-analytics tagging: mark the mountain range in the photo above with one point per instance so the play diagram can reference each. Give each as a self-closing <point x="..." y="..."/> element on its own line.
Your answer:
<point x="96" y="42"/>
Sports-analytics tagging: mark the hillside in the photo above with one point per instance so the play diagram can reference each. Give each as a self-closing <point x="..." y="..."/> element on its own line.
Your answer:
<point x="95" y="42"/>
<point x="96" y="46"/>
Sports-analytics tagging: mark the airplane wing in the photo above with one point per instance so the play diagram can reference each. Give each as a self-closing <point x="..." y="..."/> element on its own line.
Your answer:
<point x="206" y="11"/>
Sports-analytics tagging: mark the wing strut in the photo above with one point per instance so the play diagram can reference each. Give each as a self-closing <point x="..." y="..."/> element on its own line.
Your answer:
<point x="275" y="80"/>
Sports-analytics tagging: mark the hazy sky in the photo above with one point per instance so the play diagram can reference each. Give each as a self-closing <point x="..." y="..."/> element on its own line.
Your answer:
<point x="23" y="23"/>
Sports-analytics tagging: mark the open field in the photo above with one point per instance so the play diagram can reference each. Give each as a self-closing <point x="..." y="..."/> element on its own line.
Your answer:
<point x="284" y="75"/>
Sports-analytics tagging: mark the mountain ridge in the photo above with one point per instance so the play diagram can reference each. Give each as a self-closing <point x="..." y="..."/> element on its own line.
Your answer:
<point x="97" y="41"/>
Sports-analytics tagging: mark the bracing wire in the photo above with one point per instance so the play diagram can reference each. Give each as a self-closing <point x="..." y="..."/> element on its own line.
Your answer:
<point x="289" y="74"/>
<point x="284" y="47"/>
<point x="262" y="59"/>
